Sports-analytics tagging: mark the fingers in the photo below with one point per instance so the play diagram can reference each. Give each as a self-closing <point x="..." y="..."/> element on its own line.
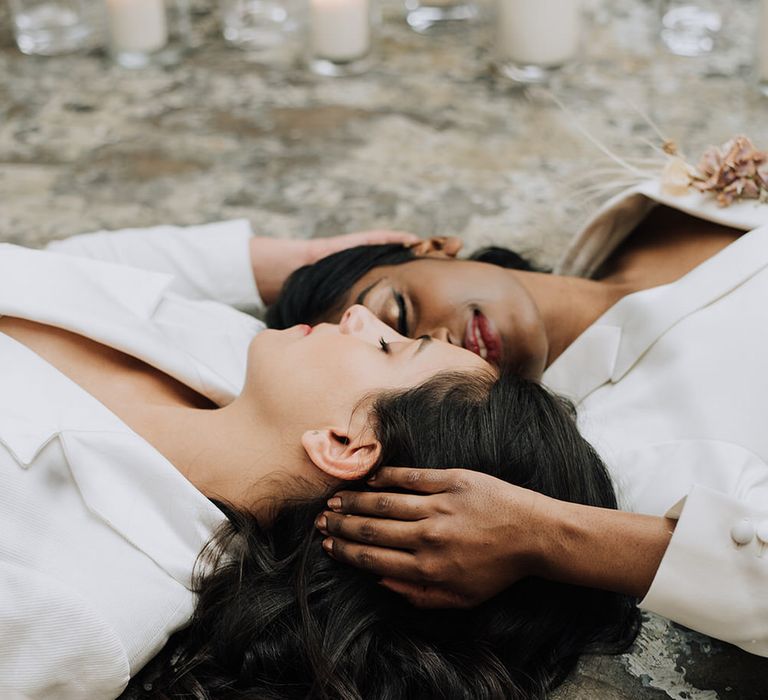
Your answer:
<point x="437" y="246"/>
<point x="420" y="480"/>
<point x="383" y="533"/>
<point x="393" y="563"/>
<point x="422" y="596"/>
<point x="397" y="506"/>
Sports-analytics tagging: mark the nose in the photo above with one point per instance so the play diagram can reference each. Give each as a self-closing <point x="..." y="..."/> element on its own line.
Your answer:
<point x="358" y="321"/>
<point x="442" y="333"/>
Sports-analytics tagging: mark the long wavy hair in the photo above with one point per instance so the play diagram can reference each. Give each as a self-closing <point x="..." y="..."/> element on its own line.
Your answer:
<point x="277" y="618"/>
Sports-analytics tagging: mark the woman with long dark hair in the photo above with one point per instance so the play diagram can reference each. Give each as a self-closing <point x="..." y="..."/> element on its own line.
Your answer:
<point x="139" y="427"/>
<point x="654" y="325"/>
<point x="277" y="618"/>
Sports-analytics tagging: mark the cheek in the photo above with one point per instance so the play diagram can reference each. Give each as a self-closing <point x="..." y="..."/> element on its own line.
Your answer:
<point x="326" y="386"/>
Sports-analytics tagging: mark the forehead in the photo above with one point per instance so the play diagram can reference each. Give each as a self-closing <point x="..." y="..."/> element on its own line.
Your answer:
<point x="420" y="269"/>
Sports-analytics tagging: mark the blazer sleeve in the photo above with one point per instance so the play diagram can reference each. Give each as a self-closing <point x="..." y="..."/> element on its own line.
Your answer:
<point x="53" y="645"/>
<point x="714" y="575"/>
<point x="210" y="261"/>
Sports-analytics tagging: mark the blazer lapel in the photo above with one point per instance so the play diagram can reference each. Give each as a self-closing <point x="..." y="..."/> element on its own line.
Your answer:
<point x="609" y="348"/>
<point x="644" y="317"/>
<point x="122" y="479"/>
<point x="112" y="304"/>
<point x="586" y="364"/>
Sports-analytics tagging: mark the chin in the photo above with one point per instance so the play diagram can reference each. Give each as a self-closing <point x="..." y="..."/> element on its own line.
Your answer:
<point x="263" y="349"/>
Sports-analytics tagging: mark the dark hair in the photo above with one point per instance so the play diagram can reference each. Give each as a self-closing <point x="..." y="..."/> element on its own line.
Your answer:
<point x="278" y="618"/>
<point x="313" y="292"/>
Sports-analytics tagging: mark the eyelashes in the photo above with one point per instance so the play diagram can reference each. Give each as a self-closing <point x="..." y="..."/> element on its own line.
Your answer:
<point x="402" y="317"/>
<point x="384" y="345"/>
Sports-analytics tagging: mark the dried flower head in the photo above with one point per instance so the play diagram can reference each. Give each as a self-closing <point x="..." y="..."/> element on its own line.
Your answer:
<point x="735" y="170"/>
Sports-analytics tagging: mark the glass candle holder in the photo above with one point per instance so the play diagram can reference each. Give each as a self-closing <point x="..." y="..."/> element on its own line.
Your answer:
<point x="536" y="37"/>
<point x="51" y="27"/>
<point x="762" y="49"/>
<point x="145" y="32"/>
<point x="340" y="36"/>
<point x="426" y="15"/>
<point x="689" y="28"/>
<point x="255" y="24"/>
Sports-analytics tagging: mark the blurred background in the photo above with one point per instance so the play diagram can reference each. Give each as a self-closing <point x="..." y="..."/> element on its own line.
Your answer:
<point x="327" y="116"/>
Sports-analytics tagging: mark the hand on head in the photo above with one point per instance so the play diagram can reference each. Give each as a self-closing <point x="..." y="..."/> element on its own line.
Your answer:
<point x="455" y="539"/>
<point x="273" y="260"/>
<point x="318" y="248"/>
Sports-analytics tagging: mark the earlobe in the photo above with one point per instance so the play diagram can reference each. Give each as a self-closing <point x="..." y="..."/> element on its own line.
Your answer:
<point x="339" y="455"/>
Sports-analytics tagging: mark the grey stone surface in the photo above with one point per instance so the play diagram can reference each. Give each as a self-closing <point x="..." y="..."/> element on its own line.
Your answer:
<point x="429" y="140"/>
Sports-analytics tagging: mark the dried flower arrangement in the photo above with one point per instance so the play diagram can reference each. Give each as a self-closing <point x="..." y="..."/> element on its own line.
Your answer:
<point x="735" y="170"/>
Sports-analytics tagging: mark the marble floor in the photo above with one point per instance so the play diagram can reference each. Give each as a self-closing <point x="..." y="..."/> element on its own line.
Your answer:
<point x="430" y="140"/>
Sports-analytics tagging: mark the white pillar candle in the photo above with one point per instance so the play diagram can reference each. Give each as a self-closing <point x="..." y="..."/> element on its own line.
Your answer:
<point x="340" y="29"/>
<point x="137" y="25"/>
<point x="539" y="32"/>
<point x="762" y="43"/>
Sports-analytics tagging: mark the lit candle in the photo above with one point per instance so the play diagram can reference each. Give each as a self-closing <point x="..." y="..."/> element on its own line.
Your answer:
<point x="341" y="29"/>
<point x="137" y="25"/>
<point x="540" y="32"/>
<point x="762" y="43"/>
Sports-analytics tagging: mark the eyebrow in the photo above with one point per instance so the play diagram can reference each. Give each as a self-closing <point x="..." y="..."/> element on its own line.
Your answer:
<point x="425" y="340"/>
<point x="361" y="297"/>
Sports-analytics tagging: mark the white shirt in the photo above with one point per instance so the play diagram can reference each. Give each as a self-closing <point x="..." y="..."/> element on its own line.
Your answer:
<point x="671" y="387"/>
<point x="99" y="533"/>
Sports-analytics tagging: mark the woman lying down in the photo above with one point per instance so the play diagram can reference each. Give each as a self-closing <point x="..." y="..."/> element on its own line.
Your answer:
<point x="654" y="325"/>
<point x="164" y="459"/>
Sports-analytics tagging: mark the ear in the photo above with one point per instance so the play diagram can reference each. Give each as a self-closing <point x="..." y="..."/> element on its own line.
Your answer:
<point x="438" y="247"/>
<point x="340" y="456"/>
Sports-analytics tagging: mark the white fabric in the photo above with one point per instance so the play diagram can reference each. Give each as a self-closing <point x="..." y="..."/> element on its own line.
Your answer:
<point x="98" y="531"/>
<point x="671" y="386"/>
<point x="211" y="261"/>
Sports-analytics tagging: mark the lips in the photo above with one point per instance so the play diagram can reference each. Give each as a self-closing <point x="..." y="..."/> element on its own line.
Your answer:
<point x="482" y="338"/>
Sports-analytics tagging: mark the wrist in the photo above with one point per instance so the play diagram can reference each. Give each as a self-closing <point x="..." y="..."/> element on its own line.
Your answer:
<point x="527" y="537"/>
<point x="547" y="522"/>
<point x="599" y="547"/>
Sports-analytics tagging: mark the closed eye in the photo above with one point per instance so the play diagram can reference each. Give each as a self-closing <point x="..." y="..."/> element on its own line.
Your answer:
<point x="384" y="345"/>
<point x="402" y="316"/>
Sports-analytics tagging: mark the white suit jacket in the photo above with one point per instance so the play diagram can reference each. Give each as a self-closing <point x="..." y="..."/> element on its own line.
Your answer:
<point x="671" y="386"/>
<point x="99" y="533"/>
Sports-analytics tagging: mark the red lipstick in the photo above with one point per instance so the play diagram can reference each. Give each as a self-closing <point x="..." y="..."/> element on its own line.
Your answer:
<point x="482" y="338"/>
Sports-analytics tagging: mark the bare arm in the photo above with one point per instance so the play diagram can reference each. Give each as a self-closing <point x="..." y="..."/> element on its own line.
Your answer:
<point x="273" y="259"/>
<point x="464" y="536"/>
<point x="222" y="261"/>
<point x="602" y="548"/>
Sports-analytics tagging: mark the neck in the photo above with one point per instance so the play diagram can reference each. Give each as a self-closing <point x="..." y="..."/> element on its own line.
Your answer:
<point x="231" y="454"/>
<point x="568" y="305"/>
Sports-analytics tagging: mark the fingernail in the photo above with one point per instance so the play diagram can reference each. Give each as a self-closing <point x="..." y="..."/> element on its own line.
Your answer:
<point x="328" y="545"/>
<point x="334" y="503"/>
<point x="321" y="523"/>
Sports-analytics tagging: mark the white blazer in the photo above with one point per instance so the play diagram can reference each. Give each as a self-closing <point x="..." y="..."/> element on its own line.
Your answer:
<point x="99" y="533"/>
<point x="671" y="386"/>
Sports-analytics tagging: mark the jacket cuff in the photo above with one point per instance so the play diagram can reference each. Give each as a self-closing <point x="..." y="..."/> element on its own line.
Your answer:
<point x="709" y="582"/>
